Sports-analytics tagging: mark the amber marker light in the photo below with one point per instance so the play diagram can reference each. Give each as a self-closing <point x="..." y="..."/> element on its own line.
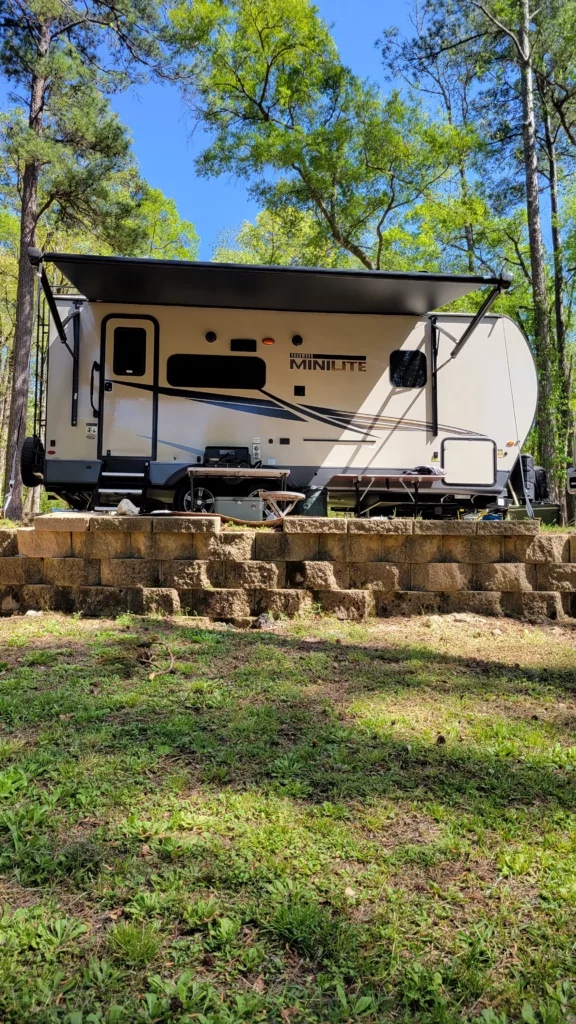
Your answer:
<point x="510" y="444"/>
<point x="268" y="341"/>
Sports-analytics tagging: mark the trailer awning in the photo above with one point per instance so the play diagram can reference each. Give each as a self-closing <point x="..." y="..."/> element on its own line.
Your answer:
<point x="177" y="283"/>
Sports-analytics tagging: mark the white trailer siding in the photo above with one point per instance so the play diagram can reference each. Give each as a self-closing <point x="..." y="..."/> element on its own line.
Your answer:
<point x="350" y="419"/>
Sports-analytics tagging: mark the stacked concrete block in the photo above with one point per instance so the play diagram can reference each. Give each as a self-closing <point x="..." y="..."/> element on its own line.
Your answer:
<point x="352" y="568"/>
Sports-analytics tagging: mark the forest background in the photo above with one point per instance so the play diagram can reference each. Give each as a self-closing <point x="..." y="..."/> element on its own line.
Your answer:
<point x="458" y="156"/>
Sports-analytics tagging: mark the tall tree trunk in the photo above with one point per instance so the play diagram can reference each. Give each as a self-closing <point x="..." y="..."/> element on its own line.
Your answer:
<point x="546" y="363"/>
<point x="559" y="312"/>
<point x="37" y="491"/>
<point x="468" y="233"/>
<point x="24" y="298"/>
<point x="5" y="386"/>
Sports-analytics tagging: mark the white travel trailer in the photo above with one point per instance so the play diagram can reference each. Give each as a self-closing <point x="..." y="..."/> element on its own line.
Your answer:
<point x="346" y="378"/>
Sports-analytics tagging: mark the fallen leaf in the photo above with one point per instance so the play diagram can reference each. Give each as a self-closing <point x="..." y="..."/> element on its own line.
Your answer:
<point x="349" y="892"/>
<point x="65" y="718"/>
<point x="259" y="985"/>
<point x="145" y="850"/>
<point x="115" y="914"/>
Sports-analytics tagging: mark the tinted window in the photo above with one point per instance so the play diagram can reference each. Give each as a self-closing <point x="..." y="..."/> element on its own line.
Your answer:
<point x="184" y="371"/>
<point x="129" y="351"/>
<point x="407" y="369"/>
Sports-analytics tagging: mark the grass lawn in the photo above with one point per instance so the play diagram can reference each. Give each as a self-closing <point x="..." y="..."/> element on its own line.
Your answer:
<point x="322" y="823"/>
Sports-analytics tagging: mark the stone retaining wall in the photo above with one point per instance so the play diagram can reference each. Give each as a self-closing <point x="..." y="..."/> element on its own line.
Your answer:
<point x="354" y="568"/>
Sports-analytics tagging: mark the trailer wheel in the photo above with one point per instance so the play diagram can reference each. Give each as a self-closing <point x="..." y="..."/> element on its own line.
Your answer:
<point x="32" y="462"/>
<point x="203" y="499"/>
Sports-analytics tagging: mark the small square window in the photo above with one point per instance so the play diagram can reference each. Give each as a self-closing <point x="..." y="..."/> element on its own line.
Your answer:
<point x="407" y="369"/>
<point x="129" y="352"/>
<point x="299" y="390"/>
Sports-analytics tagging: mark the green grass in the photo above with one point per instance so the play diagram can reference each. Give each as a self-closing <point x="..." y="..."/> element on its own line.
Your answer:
<point x="326" y="823"/>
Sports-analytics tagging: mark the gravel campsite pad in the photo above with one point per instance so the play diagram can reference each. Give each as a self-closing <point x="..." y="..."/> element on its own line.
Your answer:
<point x="316" y="822"/>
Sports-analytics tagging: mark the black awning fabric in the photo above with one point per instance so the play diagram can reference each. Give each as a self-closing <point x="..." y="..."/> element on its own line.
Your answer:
<point x="175" y="283"/>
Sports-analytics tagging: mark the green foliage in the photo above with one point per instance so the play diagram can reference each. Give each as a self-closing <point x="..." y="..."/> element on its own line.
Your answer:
<point x="164" y="234"/>
<point x="313" y="141"/>
<point x="286" y="237"/>
<point x="134" y="945"/>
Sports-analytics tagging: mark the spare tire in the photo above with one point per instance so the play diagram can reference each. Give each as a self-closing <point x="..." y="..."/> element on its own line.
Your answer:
<point x="32" y="462"/>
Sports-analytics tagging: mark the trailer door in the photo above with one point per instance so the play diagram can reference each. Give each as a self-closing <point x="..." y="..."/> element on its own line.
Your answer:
<point x="128" y="386"/>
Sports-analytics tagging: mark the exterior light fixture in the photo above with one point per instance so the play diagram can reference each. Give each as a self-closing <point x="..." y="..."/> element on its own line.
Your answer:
<point x="268" y="341"/>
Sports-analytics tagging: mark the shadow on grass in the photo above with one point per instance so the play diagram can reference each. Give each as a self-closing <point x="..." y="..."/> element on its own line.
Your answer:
<point x="91" y="744"/>
<point x="267" y="710"/>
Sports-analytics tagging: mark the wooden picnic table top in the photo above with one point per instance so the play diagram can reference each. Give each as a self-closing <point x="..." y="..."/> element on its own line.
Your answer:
<point x="269" y="473"/>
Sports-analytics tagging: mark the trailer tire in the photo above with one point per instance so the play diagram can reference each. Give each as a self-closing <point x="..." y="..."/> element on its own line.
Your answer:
<point x="32" y="462"/>
<point x="204" y="498"/>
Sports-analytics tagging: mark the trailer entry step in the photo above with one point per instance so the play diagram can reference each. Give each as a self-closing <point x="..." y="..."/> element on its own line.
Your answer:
<point x="120" y="490"/>
<point x="108" y="473"/>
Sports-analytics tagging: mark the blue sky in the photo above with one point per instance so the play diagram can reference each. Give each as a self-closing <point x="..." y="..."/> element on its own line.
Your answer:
<point x="162" y="134"/>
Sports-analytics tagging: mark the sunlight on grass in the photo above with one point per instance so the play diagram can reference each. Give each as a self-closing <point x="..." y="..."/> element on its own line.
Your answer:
<point x="328" y="823"/>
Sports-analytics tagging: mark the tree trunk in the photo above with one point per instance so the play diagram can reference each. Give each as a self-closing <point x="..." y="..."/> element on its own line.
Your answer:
<point x="6" y="384"/>
<point x="24" y="298"/>
<point x="565" y="411"/>
<point x="545" y="361"/>
<point x="468" y="233"/>
<point x="37" y="492"/>
<point x="27" y="507"/>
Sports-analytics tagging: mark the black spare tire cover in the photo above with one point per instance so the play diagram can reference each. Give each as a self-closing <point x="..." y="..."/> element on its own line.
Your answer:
<point x="32" y="462"/>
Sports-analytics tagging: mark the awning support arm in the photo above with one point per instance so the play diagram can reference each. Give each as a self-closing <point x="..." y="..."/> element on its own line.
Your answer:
<point x="434" y="373"/>
<point x="504" y="282"/>
<point x="35" y="257"/>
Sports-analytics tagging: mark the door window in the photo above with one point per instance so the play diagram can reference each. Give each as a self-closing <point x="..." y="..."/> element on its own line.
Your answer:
<point x="129" y="352"/>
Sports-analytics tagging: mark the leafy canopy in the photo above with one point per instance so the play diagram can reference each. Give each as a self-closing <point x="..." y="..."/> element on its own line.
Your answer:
<point x="306" y="133"/>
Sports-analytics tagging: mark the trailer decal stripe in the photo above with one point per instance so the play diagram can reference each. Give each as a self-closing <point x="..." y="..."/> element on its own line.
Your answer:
<point x="172" y="444"/>
<point x="383" y="422"/>
<point x="306" y="409"/>
<point x="250" y="405"/>
<point x="279" y="408"/>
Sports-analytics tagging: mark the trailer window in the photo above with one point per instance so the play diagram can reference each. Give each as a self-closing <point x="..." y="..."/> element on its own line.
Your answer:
<point x="129" y="352"/>
<point x="407" y="369"/>
<point x="187" y="371"/>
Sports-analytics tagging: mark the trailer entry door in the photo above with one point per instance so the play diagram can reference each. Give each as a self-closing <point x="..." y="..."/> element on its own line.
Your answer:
<point x="128" y="386"/>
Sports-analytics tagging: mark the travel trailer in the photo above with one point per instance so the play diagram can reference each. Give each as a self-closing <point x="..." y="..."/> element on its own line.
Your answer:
<point x="375" y="403"/>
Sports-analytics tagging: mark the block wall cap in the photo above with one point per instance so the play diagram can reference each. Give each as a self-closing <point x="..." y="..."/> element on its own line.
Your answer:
<point x="313" y="524"/>
<point x="445" y="527"/>
<point x="395" y="526"/>
<point x="180" y="524"/>
<point x="507" y="528"/>
<point x="69" y="522"/>
<point x="120" y="524"/>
